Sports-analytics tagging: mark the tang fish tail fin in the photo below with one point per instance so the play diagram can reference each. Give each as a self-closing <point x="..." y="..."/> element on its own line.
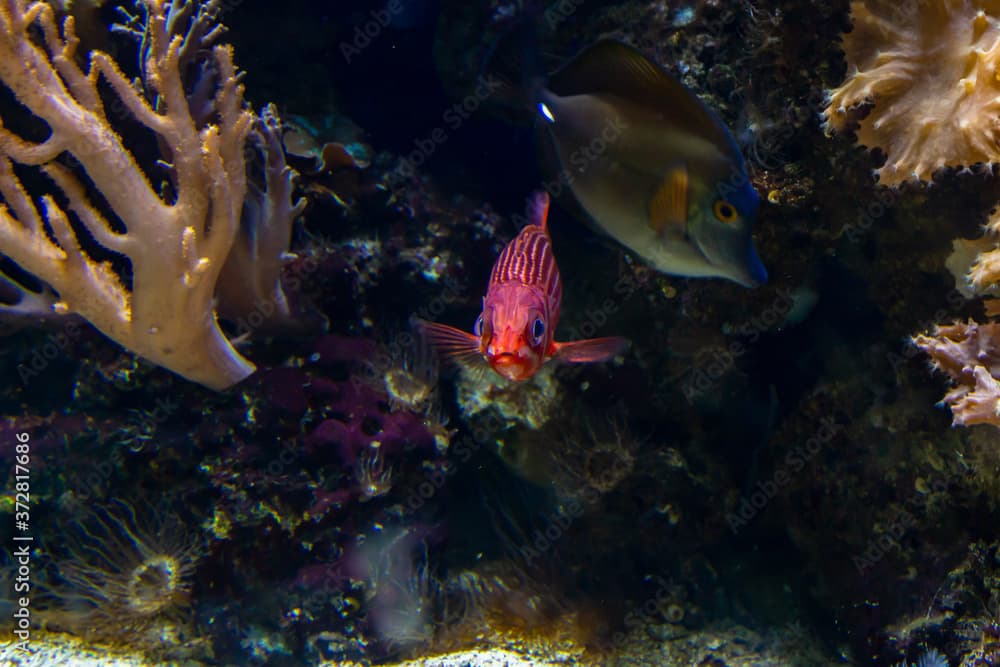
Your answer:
<point x="538" y="209"/>
<point x="590" y="350"/>
<point x="450" y="342"/>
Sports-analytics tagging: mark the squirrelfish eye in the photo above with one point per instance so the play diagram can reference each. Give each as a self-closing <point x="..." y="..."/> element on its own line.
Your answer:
<point x="477" y="328"/>
<point x="538" y="330"/>
<point x="724" y="211"/>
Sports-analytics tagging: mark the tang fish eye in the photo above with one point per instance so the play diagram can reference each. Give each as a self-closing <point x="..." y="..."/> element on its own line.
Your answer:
<point x="477" y="328"/>
<point x="538" y="330"/>
<point x="724" y="211"/>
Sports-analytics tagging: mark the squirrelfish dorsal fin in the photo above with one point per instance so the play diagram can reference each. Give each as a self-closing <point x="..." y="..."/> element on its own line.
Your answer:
<point x="538" y="209"/>
<point x="668" y="206"/>
<point x="612" y="68"/>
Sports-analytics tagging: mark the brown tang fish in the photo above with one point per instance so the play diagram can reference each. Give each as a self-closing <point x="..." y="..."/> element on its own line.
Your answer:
<point x="650" y="164"/>
<point x="514" y="333"/>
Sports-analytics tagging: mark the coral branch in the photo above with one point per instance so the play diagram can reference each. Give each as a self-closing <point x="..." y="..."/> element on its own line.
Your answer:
<point x="177" y="245"/>
<point x="250" y="285"/>
<point x="928" y="68"/>
<point x="978" y="405"/>
<point x="970" y="355"/>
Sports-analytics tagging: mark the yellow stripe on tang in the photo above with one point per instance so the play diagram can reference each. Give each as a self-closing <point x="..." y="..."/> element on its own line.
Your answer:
<point x="668" y="207"/>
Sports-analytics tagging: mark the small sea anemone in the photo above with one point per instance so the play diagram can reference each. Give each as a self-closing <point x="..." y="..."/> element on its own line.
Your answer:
<point x="436" y="422"/>
<point x="502" y="589"/>
<point x="401" y="593"/>
<point x="407" y="370"/>
<point x="597" y="458"/>
<point x="500" y="603"/>
<point x="929" y="659"/>
<point x="122" y="577"/>
<point x="374" y="479"/>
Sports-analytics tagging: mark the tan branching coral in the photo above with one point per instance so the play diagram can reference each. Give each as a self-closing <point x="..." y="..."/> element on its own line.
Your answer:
<point x="250" y="287"/>
<point x="969" y="354"/>
<point x="176" y="243"/>
<point x="929" y="70"/>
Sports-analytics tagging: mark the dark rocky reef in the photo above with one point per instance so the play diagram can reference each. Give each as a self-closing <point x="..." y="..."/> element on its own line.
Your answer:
<point x="768" y="457"/>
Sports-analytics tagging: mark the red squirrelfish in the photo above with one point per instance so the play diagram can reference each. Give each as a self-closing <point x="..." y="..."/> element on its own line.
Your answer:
<point x="514" y="333"/>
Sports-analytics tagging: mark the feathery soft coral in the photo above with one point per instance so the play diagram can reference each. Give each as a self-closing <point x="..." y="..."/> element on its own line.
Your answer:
<point x="969" y="354"/>
<point x="929" y="71"/>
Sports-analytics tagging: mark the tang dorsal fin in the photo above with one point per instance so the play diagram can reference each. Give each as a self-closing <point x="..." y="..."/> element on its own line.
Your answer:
<point x="613" y="68"/>
<point x="668" y="206"/>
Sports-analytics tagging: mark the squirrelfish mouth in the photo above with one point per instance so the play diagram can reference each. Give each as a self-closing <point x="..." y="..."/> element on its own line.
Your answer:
<point x="511" y="366"/>
<point x="506" y="359"/>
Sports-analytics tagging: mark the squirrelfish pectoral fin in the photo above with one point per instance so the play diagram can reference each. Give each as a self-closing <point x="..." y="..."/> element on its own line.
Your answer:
<point x="593" y="349"/>
<point x="668" y="207"/>
<point x="449" y="342"/>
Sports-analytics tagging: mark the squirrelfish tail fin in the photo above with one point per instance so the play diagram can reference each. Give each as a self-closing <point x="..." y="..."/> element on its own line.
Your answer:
<point x="449" y="342"/>
<point x="590" y="350"/>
